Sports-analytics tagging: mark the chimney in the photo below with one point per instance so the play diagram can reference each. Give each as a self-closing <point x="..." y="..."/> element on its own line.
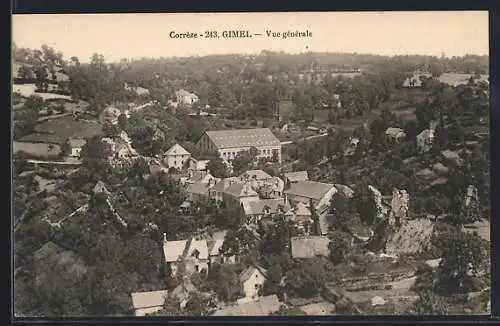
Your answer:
<point x="164" y="237"/>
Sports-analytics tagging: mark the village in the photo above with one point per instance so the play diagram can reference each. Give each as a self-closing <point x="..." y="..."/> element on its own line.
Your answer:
<point x="188" y="210"/>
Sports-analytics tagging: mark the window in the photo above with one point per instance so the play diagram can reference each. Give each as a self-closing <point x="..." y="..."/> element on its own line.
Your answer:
<point x="256" y="286"/>
<point x="196" y="268"/>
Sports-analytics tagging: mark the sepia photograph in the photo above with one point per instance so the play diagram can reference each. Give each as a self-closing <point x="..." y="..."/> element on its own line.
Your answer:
<point x="250" y="164"/>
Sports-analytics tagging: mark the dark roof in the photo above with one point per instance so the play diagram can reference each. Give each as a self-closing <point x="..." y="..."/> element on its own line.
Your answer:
<point x="240" y="190"/>
<point x="198" y="188"/>
<point x="243" y="138"/>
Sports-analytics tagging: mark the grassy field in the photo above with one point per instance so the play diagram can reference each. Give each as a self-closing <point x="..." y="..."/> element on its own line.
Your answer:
<point x="67" y="127"/>
<point x="37" y="149"/>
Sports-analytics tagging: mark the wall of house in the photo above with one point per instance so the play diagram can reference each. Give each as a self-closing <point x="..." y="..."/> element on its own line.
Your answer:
<point x="144" y="311"/>
<point x="176" y="161"/>
<point x="325" y="201"/>
<point x="253" y="284"/>
<point x="192" y="263"/>
<point x="75" y="151"/>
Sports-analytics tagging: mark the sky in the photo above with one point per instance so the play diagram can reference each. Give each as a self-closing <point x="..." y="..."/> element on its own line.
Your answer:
<point x="131" y="36"/>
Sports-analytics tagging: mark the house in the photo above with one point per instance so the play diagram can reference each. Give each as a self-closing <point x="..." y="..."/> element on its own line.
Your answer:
<point x="201" y="176"/>
<point x="252" y="281"/>
<point x="256" y="210"/>
<point x="110" y="115"/>
<point x="306" y="247"/>
<point x="271" y="189"/>
<point x="237" y="194"/>
<point x="351" y="147"/>
<point x="292" y="177"/>
<point x="228" y="143"/>
<point x="146" y="303"/>
<point x="197" y="165"/>
<point x="395" y="134"/>
<point x="75" y="146"/>
<point x="415" y="81"/>
<point x="215" y="247"/>
<point x="198" y="192"/>
<point x="184" y="97"/>
<point x="196" y="256"/>
<point x="173" y="252"/>
<point x="345" y="190"/>
<point x="176" y="157"/>
<point x="264" y="306"/>
<point x="257" y="176"/>
<point x="301" y="215"/>
<point x="216" y="192"/>
<point x="399" y="206"/>
<point x="426" y="138"/>
<point x="306" y="191"/>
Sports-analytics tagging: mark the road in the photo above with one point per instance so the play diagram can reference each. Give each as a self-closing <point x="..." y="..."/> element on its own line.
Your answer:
<point x="55" y="162"/>
<point x="305" y="138"/>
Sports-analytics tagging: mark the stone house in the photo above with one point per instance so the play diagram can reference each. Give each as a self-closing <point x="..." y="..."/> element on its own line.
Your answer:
<point x="173" y="252"/>
<point x="252" y="282"/>
<point x="196" y="256"/>
<point x="395" y="134"/>
<point x="74" y="146"/>
<point x="237" y="195"/>
<point x="306" y="191"/>
<point x="217" y="191"/>
<point x="176" y="157"/>
<point x="262" y="208"/>
<point x="228" y="143"/>
<point x="292" y="177"/>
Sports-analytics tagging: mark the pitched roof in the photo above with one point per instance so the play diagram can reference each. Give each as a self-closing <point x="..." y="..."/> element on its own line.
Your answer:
<point x="309" y="189"/>
<point x="310" y="246"/>
<point x="240" y="190"/>
<point x="77" y="142"/>
<point x="225" y="183"/>
<point x="395" y="132"/>
<point x="255" y="175"/>
<point x="100" y="187"/>
<point x="262" y="307"/>
<point x="257" y="206"/>
<point x="347" y="191"/>
<point x="198" y="188"/>
<point x="173" y="250"/>
<point x="199" y="245"/>
<point x="243" y="138"/>
<point x="248" y="272"/>
<point x="177" y="150"/>
<point x="297" y="176"/>
<point x="214" y="251"/>
<point x="150" y="299"/>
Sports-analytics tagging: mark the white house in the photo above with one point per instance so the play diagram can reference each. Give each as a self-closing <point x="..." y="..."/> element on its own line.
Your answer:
<point x="173" y="252"/>
<point x="75" y="146"/>
<point x="252" y="281"/>
<point x="176" y="157"/>
<point x="196" y="259"/>
<point x="185" y="97"/>
<point x="145" y="303"/>
<point x="426" y="138"/>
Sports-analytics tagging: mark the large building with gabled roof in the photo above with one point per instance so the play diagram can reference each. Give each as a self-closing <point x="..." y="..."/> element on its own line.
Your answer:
<point x="228" y="143"/>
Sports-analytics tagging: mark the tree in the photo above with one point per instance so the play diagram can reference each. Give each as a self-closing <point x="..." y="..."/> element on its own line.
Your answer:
<point x="339" y="246"/>
<point x="27" y="117"/>
<point x="364" y="202"/>
<point x="463" y="255"/>
<point x="307" y="278"/>
<point x="217" y="167"/>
